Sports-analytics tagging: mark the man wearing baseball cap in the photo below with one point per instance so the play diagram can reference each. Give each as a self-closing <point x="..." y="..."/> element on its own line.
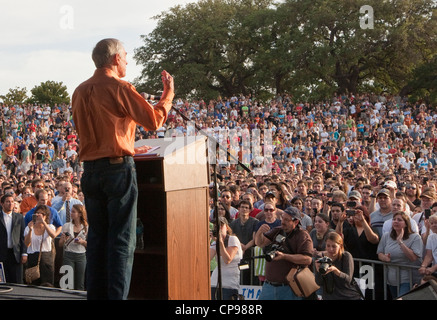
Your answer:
<point x="355" y="195"/>
<point x="427" y="199"/>
<point x="379" y="216"/>
<point x="296" y="248"/>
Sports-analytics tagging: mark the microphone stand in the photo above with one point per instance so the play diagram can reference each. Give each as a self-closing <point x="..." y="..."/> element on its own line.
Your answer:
<point x="215" y="198"/>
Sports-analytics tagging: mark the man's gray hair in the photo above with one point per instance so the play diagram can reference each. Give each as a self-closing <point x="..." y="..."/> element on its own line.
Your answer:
<point x="105" y="50"/>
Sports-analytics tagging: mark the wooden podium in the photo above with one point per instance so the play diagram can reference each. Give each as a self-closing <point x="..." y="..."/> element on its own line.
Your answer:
<point x="173" y="206"/>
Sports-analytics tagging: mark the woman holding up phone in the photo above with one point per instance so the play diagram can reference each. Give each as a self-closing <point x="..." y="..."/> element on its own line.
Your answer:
<point x="38" y="236"/>
<point x="230" y="256"/>
<point x="361" y="241"/>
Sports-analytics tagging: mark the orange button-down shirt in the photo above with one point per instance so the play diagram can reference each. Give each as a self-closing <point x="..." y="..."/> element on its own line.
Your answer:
<point x="106" y="111"/>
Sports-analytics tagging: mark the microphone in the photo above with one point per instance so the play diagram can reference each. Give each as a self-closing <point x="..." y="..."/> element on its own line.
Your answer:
<point x="150" y="97"/>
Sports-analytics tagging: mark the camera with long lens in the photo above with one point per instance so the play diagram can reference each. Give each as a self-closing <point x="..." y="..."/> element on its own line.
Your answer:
<point x="276" y="246"/>
<point x="325" y="263"/>
<point x="269" y="253"/>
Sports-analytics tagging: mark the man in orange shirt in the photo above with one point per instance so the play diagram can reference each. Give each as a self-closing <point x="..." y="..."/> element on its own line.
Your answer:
<point x="106" y="111"/>
<point x="28" y="203"/>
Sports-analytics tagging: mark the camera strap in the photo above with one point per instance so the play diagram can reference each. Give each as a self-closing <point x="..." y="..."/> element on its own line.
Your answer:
<point x="289" y="237"/>
<point x="72" y="238"/>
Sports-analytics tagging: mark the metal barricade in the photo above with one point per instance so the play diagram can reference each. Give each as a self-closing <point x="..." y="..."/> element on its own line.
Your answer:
<point x="385" y="265"/>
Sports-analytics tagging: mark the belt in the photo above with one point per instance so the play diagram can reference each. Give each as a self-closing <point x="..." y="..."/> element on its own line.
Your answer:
<point x="110" y="160"/>
<point x="116" y="160"/>
<point x="276" y="284"/>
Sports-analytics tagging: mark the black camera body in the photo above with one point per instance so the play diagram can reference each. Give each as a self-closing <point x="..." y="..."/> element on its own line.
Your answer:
<point x="269" y="252"/>
<point x="276" y="246"/>
<point x="325" y="263"/>
<point x="351" y="204"/>
<point x="350" y="213"/>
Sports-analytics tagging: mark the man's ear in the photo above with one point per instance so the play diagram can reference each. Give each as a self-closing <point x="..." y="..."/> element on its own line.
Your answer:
<point x="116" y="59"/>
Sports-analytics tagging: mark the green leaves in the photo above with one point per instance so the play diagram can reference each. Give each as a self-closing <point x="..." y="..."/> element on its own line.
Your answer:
<point x="14" y="96"/>
<point x="50" y="93"/>
<point x="309" y="48"/>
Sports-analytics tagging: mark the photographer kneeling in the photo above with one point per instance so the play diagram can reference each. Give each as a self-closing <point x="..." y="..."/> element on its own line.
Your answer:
<point x="285" y="246"/>
<point x="335" y="271"/>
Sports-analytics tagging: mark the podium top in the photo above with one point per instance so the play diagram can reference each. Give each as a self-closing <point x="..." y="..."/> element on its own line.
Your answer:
<point x="183" y="162"/>
<point x="165" y="147"/>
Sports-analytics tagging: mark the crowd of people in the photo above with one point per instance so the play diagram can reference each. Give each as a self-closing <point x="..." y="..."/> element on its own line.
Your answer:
<point x="45" y="221"/>
<point x="361" y="172"/>
<point x="355" y="173"/>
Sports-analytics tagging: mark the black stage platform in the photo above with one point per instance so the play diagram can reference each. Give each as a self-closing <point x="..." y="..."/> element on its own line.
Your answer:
<point x="13" y="291"/>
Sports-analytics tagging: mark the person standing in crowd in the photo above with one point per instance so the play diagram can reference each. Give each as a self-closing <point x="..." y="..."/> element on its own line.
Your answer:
<point x="106" y="110"/>
<point x="336" y="212"/>
<point x="319" y="233"/>
<point x="249" y="197"/>
<point x="282" y="202"/>
<point x="42" y="197"/>
<point x="412" y="192"/>
<point x="361" y="241"/>
<point x="401" y="246"/>
<point x="244" y="228"/>
<point x="337" y="280"/>
<point x="230" y="256"/>
<point x="428" y="269"/>
<point x="30" y="202"/>
<point x="297" y="251"/>
<point x="262" y="190"/>
<point x="273" y="221"/>
<point x="367" y="199"/>
<point x="73" y="240"/>
<point x="226" y="200"/>
<point x="271" y="217"/>
<point x="65" y="203"/>
<point x="378" y="217"/>
<point x="13" y="251"/>
<point x="427" y="199"/>
<point x="399" y="205"/>
<point x="306" y="222"/>
<point x="222" y="212"/>
<point x="38" y="237"/>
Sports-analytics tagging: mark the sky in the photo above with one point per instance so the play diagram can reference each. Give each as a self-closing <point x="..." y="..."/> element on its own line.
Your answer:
<point x="43" y="40"/>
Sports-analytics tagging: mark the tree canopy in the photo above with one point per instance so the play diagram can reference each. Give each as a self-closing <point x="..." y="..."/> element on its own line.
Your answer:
<point x="308" y="48"/>
<point x="49" y="92"/>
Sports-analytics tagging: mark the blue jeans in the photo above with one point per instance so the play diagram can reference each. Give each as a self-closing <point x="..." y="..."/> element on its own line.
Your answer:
<point x="403" y="289"/>
<point x="111" y="194"/>
<point x="284" y="292"/>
